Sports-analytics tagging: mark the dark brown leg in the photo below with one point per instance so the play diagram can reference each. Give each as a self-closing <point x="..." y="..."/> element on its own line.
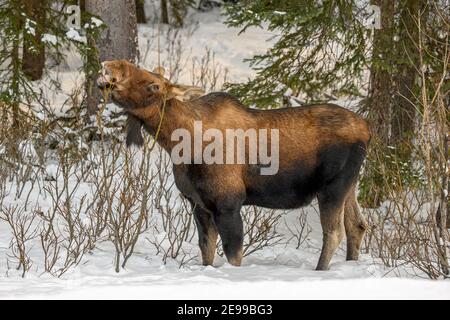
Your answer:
<point x="207" y="235"/>
<point x="332" y="220"/>
<point x="231" y="230"/>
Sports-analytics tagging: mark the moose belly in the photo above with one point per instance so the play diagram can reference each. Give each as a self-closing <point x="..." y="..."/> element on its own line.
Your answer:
<point x="285" y="190"/>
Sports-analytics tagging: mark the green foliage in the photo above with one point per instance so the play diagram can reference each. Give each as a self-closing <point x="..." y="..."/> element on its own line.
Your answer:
<point x="386" y="172"/>
<point x="17" y="30"/>
<point x="12" y="24"/>
<point x="89" y="53"/>
<point x="413" y="57"/>
<point x="321" y="48"/>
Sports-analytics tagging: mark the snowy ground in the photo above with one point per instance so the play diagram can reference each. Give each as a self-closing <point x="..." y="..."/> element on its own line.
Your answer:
<point x="280" y="272"/>
<point x="277" y="273"/>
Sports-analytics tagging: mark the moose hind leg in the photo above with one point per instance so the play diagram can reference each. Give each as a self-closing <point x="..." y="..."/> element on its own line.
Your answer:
<point x="332" y="198"/>
<point x="231" y="230"/>
<point x="355" y="225"/>
<point x="331" y="218"/>
<point x="331" y="204"/>
<point x="207" y="234"/>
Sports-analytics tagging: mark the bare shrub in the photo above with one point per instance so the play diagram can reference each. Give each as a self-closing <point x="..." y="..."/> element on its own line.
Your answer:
<point x="130" y="216"/>
<point x="20" y="160"/>
<point x="174" y="49"/>
<point x="300" y="230"/>
<point x="121" y="192"/>
<point x="207" y="73"/>
<point x="64" y="236"/>
<point x="23" y="229"/>
<point x="174" y="212"/>
<point x="402" y="234"/>
<point x="260" y="229"/>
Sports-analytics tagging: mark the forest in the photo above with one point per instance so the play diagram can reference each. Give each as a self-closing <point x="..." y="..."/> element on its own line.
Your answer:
<point x="79" y="209"/>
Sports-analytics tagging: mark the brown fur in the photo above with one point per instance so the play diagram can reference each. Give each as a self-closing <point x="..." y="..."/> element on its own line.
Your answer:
<point x="306" y="135"/>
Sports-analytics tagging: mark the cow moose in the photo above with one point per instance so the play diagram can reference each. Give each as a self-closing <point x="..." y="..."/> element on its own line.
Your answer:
<point x="322" y="148"/>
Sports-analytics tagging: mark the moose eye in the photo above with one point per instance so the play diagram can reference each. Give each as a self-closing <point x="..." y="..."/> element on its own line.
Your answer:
<point x="153" y="87"/>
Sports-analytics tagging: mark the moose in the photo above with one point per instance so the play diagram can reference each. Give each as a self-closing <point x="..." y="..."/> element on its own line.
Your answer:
<point x="321" y="150"/>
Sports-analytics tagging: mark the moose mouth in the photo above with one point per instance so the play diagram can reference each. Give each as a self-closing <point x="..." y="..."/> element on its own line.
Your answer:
<point x="105" y="82"/>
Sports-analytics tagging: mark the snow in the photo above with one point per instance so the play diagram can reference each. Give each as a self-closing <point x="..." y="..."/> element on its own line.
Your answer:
<point x="30" y="27"/>
<point x="278" y="272"/>
<point x="74" y="35"/>
<point x="204" y="286"/>
<point x="273" y="274"/>
<point x="229" y="49"/>
<point x="49" y="38"/>
<point x="96" y="22"/>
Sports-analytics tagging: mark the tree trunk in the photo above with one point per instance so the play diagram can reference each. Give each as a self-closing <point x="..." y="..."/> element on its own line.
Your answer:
<point x="443" y="212"/>
<point x="33" y="55"/>
<point x="80" y="3"/>
<point x="164" y="12"/>
<point x="118" y="40"/>
<point x="140" y="12"/>
<point x="16" y="123"/>
<point x="379" y="100"/>
<point x="403" y="115"/>
<point x="380" y="91"/>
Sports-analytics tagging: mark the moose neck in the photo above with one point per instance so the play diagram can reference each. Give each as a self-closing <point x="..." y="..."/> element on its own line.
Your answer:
<point x="161" y="118"/>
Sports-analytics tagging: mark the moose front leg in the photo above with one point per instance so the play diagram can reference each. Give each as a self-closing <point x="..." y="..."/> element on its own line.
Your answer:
<point x="229" y="224"/>
<point x="207" y="234"/>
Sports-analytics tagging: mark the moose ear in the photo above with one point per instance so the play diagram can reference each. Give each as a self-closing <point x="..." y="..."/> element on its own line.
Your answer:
<point x="184" y="93"/>
<point x="193" y="93"/>
<point x="159" y="70"/>
<point x="134" y="132"/>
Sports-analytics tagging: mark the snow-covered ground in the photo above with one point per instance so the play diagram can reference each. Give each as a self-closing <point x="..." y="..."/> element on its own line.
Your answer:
<point x="281" y="272"/>
<point x="278" y="272"/>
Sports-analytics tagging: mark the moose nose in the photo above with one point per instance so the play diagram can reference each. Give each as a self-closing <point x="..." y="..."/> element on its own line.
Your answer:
<point x="105" y="80"/>
<point x="103" y="83"/>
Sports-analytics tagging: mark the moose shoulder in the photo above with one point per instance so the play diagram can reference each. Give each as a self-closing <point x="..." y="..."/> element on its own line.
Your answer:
<point x="320" y="153"/>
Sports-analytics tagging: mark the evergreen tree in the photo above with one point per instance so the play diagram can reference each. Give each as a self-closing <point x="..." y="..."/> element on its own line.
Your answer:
<point x="392" y="105"/>
<point x="324" y="48"/>
<point x="30" y="32"/>
<point x="321" y="49"/>
<point x="34" y="51"/>
<point x="140" y="11"/>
